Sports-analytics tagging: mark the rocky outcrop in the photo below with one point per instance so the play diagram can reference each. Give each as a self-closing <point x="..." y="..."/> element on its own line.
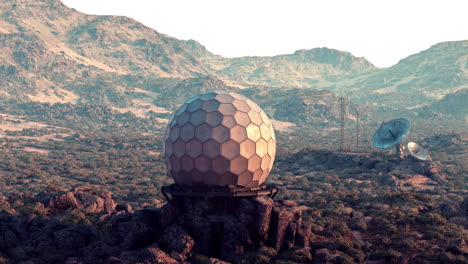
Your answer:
<point x="150" y="254"/>
<point x="214" y="227"/>
<point x="42" y="237"/>
<point x="431" y="170"/>
<point x="83" y="198"/>
<point x="458" y="246"/>
<point x="177" y="242"/>
<point x="5" y="205"/>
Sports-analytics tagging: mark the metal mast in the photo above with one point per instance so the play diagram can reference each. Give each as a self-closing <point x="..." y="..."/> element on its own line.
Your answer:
<point x="343" y="116"/>
<point x="358" y="113"/>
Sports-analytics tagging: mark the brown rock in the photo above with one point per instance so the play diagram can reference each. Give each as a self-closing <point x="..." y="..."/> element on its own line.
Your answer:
<point x="264" y="207"/>
<point x="284" y="225"/>
<point x="92" y="202"/>
<point x="303" y="236"/>
<point x="215" y="261"/>
<point x="63" y="201"/>
<point x="323" y="255"/>
<point x="74" y="237"/>
<point x="148" y="255"/>
<point x="449" y="209"/>
<point x="458" y="246"/>
<point x="235" y="236"/>
<point x="287" y="203"/>
<point x="127" y="208"/>
<point x="83" y="198"/>
<point x="72" y="260"/>
<point x="229" y="226"/>
<point x="5" y="206"/>
<point x="176" y="239"/>
<point x="432" y="171"/>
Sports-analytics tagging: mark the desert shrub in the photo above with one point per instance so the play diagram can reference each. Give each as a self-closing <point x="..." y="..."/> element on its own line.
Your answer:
<point x="296" y="255"/>
<point x="432" y="235"/>
<point x="344" y="259"/>
<point x="431" y="219"/>
<point x="357" y="255"/>
<point x="73" y="217"/>
<point x="358" y="224"/>
<point x="449" y="258"/>
<point x="382" y="226"/>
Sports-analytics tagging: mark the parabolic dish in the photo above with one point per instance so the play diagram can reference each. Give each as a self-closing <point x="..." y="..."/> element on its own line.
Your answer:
<point x="390" y="133"/>
<point x="417" y="151"/>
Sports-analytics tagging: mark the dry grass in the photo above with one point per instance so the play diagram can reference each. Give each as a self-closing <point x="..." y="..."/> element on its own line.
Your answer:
<point x="47" y="93"/>
<point x="38" y="150"/>
<point x="283" y="126"/>
<point x="16" y="123"/>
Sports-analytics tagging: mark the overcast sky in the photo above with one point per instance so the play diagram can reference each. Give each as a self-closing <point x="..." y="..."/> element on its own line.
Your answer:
<point x="382" y="31"/>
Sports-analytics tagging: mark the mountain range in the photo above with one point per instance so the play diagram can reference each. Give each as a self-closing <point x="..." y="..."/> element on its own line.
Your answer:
<point x="51" y="53"/>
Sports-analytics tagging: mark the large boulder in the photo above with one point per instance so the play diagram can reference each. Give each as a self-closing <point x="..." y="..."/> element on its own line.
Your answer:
<point x="177" y="242"/>
<point x="225" y="226"/>
<point x="150" y="254"/>
<point x="432" y="171"/>
<point x="83" y="198"/>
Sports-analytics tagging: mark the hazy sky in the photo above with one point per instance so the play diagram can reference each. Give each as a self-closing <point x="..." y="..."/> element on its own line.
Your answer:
<point x="382" y="31"/>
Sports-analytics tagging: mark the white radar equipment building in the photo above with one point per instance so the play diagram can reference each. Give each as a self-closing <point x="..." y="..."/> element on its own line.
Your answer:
<point x="219" y="144"/>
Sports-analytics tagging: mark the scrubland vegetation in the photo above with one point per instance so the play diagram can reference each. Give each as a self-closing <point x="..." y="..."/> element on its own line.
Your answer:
<point x="361" y="207"/>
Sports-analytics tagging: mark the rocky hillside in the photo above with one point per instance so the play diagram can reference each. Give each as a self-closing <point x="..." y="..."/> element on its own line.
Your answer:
<point x="417" y="80"/>
<point x="51" y="53"/>
<point x="306" y="107"/>
<point x="453" y="105"/>
<point x="304" y="68"/>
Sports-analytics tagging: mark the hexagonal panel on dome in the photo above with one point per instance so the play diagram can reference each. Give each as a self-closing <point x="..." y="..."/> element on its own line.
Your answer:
<point x="253" y="132"/>
<point x="242" y="119"/>
<point x="241" y="106"/>
<point x="187" y="132"/>
<point x="227" y="109"/>
<point x="194" y="106"/>
<point x="224" y="98"/>
<point x="214" y="118"/>
<point x="220" y="134"/>
<point x="210" y="106"/>
<point x="238" y="133"/>
<point x="218" y="139"/>
<point x="207" y="96"/>
<point x="247" y="148"/>
<point x="203" y="132"/>
<point x="255" y="117"/>
<point x="230" y="149"/>
<point x="198" y="117"/>
<point x="229" y="121"/>
<point x="239" y="164"/>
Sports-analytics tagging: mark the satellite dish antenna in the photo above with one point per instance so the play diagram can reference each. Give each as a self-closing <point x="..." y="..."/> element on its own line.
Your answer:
<point x="390" y="134"/>
<point x="417" y="151"/>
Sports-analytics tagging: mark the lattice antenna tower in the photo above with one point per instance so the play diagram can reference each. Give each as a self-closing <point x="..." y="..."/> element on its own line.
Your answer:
<point x="343" y="116"/>
<point x="358" y="116"/>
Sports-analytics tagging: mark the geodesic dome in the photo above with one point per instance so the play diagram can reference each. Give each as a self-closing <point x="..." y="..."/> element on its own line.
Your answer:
<point x="218" y="139"/>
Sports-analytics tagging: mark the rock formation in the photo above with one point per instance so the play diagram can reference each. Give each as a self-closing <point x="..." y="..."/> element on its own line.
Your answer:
<point x="83" y="198"/>
<point x="431" y="170"/>
<point x="213" y="227"/>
